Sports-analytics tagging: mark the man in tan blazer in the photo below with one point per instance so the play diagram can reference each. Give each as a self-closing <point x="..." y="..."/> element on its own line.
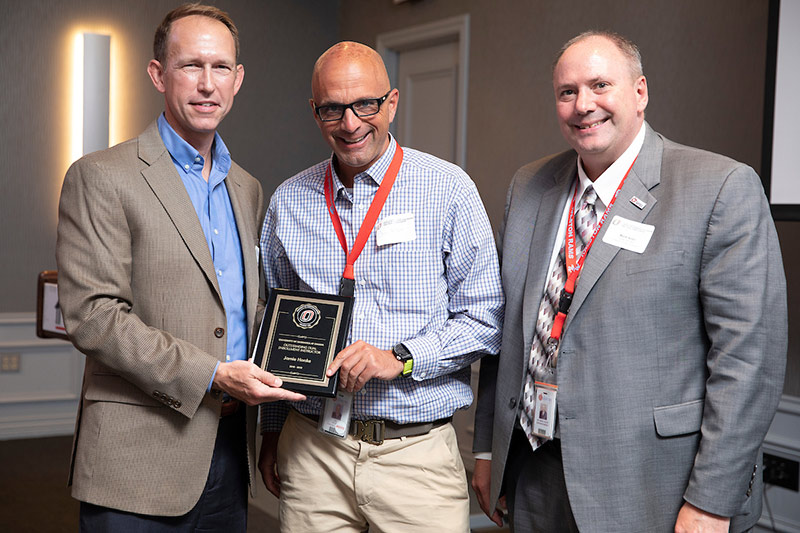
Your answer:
<point x="158" y="260"/>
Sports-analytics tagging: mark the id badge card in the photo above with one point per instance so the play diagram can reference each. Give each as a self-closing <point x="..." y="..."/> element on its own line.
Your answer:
<point x="335" y="419"/>
<point x="544" y="410"/>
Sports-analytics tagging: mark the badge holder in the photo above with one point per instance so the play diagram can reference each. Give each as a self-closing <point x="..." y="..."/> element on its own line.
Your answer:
<point x="544" y="410"/>
<point x="336" y="413"/>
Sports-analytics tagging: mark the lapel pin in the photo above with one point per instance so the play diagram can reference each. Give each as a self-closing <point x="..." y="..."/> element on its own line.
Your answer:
<point x="637" y="202"/>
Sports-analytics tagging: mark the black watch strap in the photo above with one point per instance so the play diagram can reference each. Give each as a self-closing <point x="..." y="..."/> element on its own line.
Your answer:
<point x="402" y="354"/>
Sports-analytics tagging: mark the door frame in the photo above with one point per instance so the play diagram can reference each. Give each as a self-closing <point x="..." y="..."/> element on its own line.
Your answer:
<point x="390" y="44"/>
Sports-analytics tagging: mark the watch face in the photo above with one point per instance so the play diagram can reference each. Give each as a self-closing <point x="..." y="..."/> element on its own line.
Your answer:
<point x="401" y="352"/>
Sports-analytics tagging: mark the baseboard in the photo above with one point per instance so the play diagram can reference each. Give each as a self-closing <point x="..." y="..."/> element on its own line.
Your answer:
<point x="37" y="426"/>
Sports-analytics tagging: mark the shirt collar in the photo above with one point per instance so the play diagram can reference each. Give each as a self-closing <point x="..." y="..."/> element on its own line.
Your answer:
<point x="376" y="171"/>
<point x="186" y="156"/>
<point x="606" y="184"/>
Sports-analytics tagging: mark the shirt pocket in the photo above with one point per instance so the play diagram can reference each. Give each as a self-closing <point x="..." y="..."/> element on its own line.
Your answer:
<point x="413" y="281"/>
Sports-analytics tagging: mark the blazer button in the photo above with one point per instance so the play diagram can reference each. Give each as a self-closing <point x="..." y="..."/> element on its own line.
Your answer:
<point x="219" y="332"/>
<point x="177" y="404"/>
<point x="512" y="403"/>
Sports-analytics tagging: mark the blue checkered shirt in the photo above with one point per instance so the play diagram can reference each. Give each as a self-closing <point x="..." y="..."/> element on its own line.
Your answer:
<point x="440" y="294"/>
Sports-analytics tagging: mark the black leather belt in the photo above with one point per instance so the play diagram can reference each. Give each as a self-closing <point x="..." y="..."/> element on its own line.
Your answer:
<point x="229" y="407"/>
<point x="376" y="431"/>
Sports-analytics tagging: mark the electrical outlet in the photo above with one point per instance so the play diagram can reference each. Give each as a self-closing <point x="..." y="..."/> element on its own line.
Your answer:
<point x="9" y="363"/>
<point x="781" y="472"/>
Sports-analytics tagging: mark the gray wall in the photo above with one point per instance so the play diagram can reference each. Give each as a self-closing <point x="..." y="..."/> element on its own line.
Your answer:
<point x="270" y="130"/>
<point x="704" y="61"/>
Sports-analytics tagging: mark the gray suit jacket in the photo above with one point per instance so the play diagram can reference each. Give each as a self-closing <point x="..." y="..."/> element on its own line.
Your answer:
<point x="672" y="361"/>
<point x="141" y="300"/>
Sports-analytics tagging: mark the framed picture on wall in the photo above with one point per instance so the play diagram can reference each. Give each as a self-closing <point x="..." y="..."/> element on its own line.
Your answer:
<point x="49" y="320"/>
<point x="779" y="170"/>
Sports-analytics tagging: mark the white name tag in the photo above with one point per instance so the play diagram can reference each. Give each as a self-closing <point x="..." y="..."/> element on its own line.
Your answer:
<point x="627" y="234"/>
<point x="544" y="410"/>
<point x="395" y="228"/>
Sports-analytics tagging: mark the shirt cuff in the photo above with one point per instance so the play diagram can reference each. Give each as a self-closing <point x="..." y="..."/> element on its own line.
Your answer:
<point x="424" y="355"/>
<point x="212" y="377"/>
<point x="486" y="456"/>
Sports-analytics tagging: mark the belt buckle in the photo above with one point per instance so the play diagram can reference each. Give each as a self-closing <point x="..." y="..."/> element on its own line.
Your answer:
<point x="366" y="430"/>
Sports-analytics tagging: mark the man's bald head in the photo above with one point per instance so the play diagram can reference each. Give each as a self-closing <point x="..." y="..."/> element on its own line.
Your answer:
<point x="344" y="56"/>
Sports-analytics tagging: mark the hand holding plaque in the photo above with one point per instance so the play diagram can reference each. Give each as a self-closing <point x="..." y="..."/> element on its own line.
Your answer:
<point x="299" y="336"/>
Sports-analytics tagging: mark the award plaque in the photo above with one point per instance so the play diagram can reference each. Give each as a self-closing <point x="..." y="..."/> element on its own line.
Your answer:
<point x="299" y="336"/>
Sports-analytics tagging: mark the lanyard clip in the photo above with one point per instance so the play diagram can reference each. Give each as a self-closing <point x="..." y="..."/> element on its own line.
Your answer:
<point x="347" y="287"/>
<point x="564" y="301"/>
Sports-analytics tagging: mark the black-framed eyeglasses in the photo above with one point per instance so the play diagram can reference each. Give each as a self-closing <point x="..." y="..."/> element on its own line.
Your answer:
<point x="362" y="108"/>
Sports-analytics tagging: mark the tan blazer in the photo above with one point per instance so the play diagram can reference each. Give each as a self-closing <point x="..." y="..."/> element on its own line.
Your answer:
<point x="141" y="300"/>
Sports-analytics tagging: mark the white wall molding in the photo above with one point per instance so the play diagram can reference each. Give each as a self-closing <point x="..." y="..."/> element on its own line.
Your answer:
<point x="41" y="399"/>
<point x="37" y="426"/>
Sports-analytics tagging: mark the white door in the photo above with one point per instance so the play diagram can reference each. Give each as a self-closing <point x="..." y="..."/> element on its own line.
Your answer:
<point x="428" y="82"/>
<point x="429" y="64"/>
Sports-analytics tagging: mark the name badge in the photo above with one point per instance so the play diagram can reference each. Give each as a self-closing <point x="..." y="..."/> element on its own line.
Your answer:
<point x="395" y="228"/>
<point x="544" y="410"/>
<point x="335" y="419"/>
<point x="628" y="235"/>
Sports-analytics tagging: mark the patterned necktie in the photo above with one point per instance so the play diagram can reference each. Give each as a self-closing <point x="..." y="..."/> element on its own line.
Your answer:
<point x="539" y="362"/>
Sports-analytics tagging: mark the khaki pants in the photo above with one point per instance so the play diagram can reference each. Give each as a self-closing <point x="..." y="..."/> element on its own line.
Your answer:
<point x="409" y="484"/>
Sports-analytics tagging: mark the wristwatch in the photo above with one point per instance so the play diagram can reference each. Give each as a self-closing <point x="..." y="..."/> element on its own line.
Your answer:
<point x="404" y="356"/>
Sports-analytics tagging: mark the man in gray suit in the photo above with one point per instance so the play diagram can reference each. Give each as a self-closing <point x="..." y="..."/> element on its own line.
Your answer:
<point x="158" y="281"/>
<point x="666" y="358"/>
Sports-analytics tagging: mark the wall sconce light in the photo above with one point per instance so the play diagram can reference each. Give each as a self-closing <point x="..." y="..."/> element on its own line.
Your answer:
<point x="90" y="93"/>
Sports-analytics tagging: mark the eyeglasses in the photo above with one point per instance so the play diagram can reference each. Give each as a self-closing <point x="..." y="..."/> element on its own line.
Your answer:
<point x="362" y="108"/>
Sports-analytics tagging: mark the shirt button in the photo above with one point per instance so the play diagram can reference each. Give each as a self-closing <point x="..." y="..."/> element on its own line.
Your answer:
<point x="187" y="167"/>
<point x="227" y="357"/>
<point x="197" y="159"/>
<point x="216" y="231"/>
<point x="219" y="332"/>
<point x="512" y="403"/>
<point x="219" y="272"/>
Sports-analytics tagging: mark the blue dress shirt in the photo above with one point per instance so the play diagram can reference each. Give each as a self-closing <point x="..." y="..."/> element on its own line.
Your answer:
<point x="215" y="214"/>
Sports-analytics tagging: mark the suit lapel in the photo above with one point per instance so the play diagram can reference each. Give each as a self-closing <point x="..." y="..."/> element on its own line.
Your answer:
<point x="244" y="212"/>
<point x="543" y="239"/>
<point x="165" y="182"/>
<point x="645" y="174"/>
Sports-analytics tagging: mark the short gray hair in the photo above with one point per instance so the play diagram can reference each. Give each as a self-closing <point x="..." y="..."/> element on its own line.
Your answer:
<point x="626" y="46"/>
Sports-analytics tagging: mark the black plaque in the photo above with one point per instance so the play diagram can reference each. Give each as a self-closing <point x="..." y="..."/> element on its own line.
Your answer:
<point x="299" y="336"/>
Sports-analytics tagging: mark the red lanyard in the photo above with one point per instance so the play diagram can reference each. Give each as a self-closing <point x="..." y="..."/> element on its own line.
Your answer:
<point x="372" y="214"/>
<point x="575" y="265"/>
